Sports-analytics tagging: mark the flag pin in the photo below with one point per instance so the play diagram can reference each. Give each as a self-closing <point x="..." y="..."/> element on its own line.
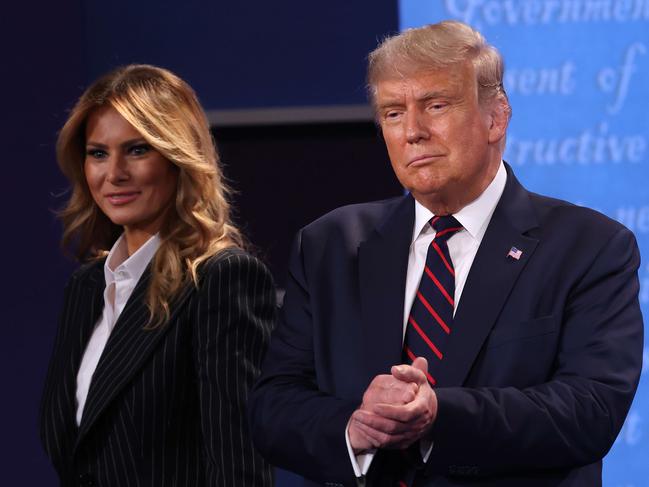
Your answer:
<point x="515" y="253"/>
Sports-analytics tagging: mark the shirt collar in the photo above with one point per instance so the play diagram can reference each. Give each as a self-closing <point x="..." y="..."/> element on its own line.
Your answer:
<point x="125" y="266"/>
<point x="475" y="216"/>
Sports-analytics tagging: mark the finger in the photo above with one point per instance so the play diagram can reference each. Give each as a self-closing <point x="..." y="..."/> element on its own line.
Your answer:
<point x="421" y="363"/>
<point x="399" y="392"/>
<point x="409" y="414"/>
<point x="387" y="389"/>
<point x="408" y="373"/>
<point x="381" y="439"/>
<point x="376" y="438"/>
<point x="380" y="423"/>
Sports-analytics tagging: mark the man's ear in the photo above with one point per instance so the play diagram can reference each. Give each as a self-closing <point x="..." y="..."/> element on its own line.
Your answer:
<point x="498" y="120"/>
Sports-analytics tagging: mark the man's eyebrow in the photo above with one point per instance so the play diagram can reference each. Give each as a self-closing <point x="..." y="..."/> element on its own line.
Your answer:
<point x="431" y="95"/>
<point x="390" y="102"/>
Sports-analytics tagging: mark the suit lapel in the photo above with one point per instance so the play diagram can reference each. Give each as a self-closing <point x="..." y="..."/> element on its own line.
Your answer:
<point x="83" y="309"/>
<point x="383" y="263"/>
<point x="88" y="305"/>
<point x="92" y="302"/>
<point x="126" y="351"/>
<point x="490" y="280"/>
<point x="91" y="305"/>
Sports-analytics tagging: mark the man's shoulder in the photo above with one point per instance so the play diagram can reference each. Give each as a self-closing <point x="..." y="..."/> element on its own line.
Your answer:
<point x="554" y="214"/>
<point x="356" y="217"/>
<point x="561" y="212"/>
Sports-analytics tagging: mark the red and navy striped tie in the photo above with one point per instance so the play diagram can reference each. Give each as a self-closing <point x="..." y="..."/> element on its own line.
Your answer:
<point x="430" y="323"/>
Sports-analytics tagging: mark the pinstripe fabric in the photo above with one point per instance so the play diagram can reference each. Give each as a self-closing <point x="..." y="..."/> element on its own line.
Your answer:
<point x="165" y="407"/>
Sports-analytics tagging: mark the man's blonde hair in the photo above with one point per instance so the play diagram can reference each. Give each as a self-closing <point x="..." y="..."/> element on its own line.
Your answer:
<point x="437" y="46"/>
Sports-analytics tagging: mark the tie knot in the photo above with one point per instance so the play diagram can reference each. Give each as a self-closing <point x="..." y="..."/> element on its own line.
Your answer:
<point x="445" y="226"/>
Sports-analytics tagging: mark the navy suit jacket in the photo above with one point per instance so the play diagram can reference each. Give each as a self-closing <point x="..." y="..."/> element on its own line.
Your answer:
<point x="536" y="382"/>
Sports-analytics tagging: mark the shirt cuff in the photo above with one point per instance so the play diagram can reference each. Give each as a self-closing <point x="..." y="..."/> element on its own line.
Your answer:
<point x="360" y="463"/>
<point x="425" y="448"/>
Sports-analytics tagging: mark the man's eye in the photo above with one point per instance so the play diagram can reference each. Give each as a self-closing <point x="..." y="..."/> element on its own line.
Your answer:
<point x="139" y="149"/>
<point x="96" y="153"/>
<point x="392" y="115"/>
<point x="437" y="106"/>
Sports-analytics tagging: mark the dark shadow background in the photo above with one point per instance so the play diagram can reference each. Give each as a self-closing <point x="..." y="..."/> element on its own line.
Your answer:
<point x="236" y="55"/>
<point x="287" y="176"/>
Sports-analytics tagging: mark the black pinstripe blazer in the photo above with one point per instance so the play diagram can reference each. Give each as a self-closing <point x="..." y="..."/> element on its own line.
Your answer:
<point x="165" y="407"/>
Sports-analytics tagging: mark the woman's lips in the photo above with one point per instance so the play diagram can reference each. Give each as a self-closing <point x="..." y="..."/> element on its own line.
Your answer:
<point x="119" y="199"/>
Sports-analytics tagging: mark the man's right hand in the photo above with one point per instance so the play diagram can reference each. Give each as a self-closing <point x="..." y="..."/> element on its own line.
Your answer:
<point x="384" y="389"/>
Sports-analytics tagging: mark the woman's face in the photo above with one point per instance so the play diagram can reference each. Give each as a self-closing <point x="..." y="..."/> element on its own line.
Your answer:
<point x="131" y="182"/>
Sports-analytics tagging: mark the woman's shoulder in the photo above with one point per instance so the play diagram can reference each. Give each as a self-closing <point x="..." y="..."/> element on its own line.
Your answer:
<point x="90" y="272"/>
<point x="233" y="260"/>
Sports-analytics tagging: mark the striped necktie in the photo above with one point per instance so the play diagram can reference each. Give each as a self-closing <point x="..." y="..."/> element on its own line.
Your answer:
<point x="430" y="322"/>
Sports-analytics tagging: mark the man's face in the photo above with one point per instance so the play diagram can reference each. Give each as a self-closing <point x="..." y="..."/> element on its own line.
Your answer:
<point x="443" y="145"/>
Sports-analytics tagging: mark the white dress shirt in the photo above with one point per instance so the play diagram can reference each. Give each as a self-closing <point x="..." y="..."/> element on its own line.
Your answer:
<point x="122" y="272"/>
<point x="462" y="247"/>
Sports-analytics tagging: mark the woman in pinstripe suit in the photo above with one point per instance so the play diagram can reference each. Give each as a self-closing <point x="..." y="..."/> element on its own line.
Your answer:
<point x="164" y="327"/>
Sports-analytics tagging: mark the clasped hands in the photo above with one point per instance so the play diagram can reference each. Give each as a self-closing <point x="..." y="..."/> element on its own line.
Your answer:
<point x="397" y="409"/>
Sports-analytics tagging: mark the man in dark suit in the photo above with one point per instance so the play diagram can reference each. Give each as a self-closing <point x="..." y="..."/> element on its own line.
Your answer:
<point x="469" y="333"/>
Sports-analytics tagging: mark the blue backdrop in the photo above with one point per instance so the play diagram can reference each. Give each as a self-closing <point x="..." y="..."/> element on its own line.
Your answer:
<point x="577" y="75"/>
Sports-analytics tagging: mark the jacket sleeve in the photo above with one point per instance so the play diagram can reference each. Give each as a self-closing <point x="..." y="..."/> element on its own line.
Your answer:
<point x="295" y="425"/>
<point x="574" y="417"/>
<point x="234" y="318"/>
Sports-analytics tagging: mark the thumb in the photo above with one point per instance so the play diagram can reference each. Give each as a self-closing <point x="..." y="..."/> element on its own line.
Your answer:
<point x="415" y="373"/>
<point x="420" y="363"/>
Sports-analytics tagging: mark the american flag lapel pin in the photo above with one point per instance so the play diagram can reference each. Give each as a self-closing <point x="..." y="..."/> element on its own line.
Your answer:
<point x="515" y="253"/>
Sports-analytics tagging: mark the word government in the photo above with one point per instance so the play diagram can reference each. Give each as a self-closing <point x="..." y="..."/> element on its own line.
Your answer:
<point x="529" y="12"/>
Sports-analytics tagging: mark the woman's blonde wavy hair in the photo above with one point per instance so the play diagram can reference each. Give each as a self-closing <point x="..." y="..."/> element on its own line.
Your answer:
<point x="166" y="112"/>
